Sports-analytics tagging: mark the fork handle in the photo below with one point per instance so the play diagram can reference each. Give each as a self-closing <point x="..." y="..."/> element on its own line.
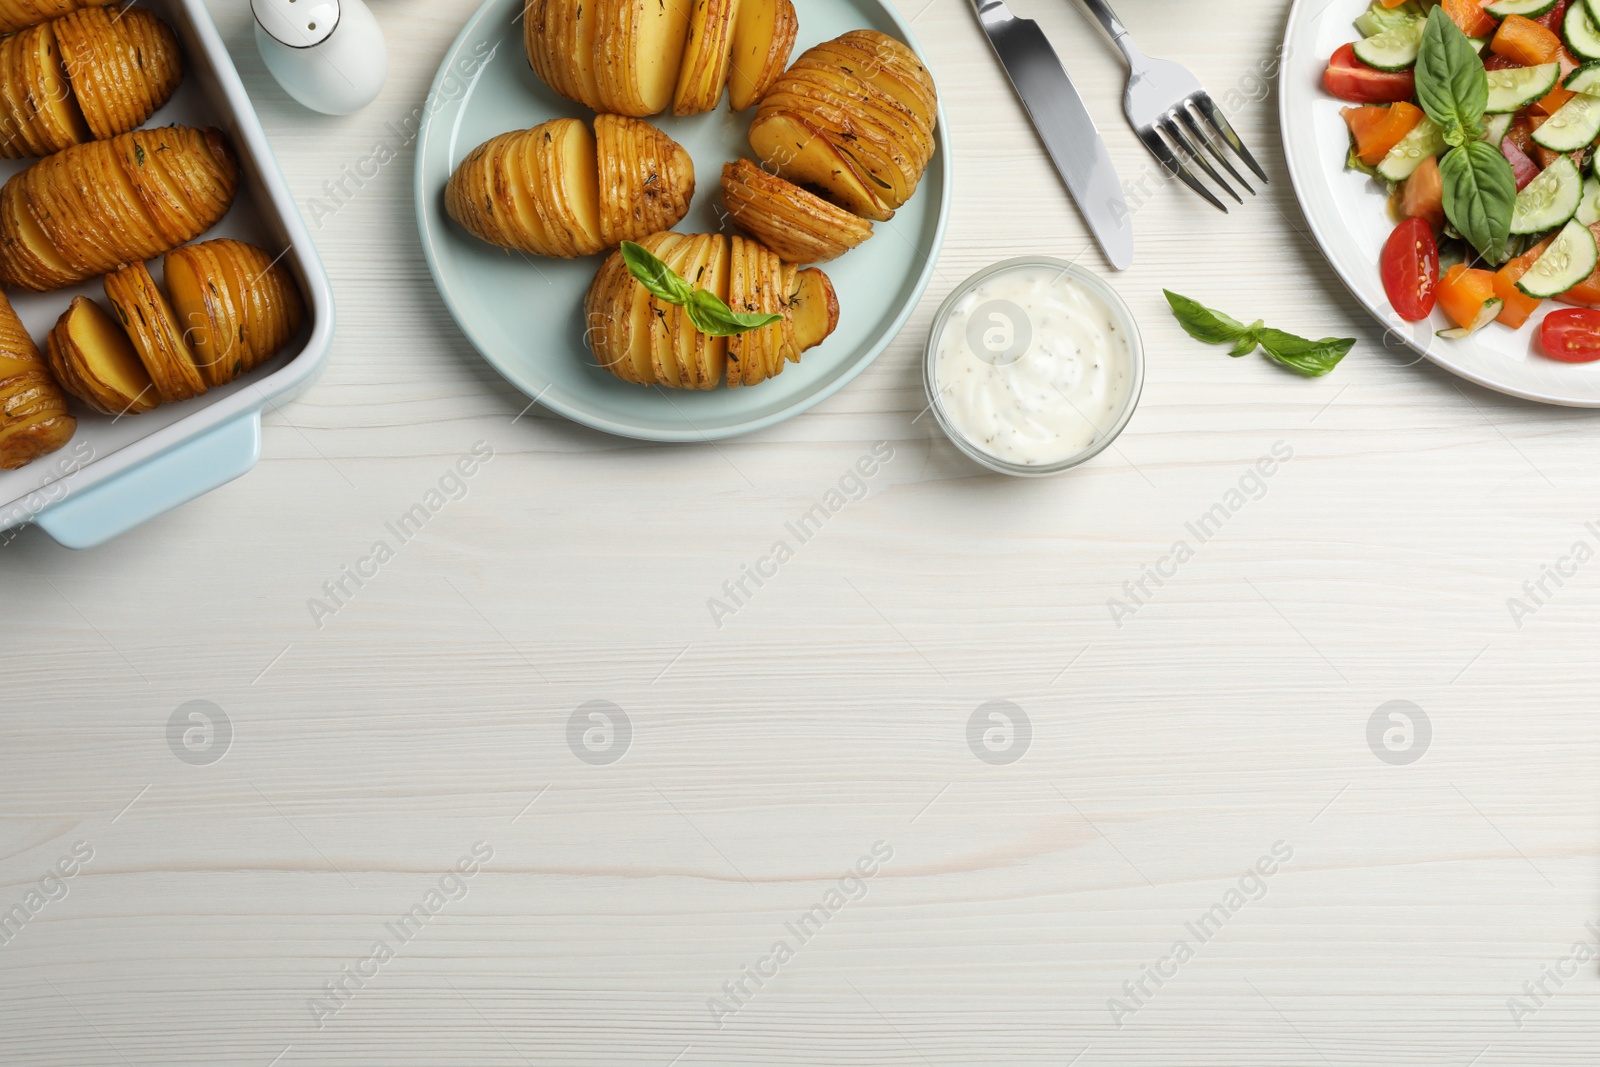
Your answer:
<point x="1114" y="28"/>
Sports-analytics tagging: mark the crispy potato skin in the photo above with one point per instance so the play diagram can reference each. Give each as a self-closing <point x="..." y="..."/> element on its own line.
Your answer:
<point x="798" y="225"/>
<point x="528" y="190"/>
<point x="34" y="419"/>
<point x="646" y="341"/>
<point x="852" y="118"/>
<point x="89" y="209"/>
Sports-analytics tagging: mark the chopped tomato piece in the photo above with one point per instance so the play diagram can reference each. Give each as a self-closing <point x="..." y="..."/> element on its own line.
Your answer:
<point x="1523" y="169"/>
<point x="1411" y="269"/>
<point x="1571" y="335"/>
<point x="1525" y="41"/>
<point x="1470" y="16"/>
<point x="1463" y="291"/>
<point x="1378" y="129"/>
<point x="1521" y="131"/>
<point x="1423" y="195"/>
<point x="1350" y="79"/>
<point x="1519" y="305"/>
<point x="1551" y="20"/>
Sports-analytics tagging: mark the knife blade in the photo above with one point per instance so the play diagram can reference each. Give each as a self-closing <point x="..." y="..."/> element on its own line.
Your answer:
<point x="1064" y="125"/>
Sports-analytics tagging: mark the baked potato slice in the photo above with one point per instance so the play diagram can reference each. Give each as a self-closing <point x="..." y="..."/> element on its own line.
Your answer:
<point x="34" y="419"/>
<point x="203" y="305"/>
<point x="763" y="37"/>
<point x="790" y="146"/>
<point x="640" y="44"/>
<point x="799" y="226"/>
<point x="95" y="361"/>
<point x="571" y="184"/>
<point x="813" y="307"/>
<point x="707" y="53"/>
<point x="148" y="321"/>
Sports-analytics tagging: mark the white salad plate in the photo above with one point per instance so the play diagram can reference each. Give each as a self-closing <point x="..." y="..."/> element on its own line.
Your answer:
<point x="524" y="313"/>
<point x="1350" y="222"/>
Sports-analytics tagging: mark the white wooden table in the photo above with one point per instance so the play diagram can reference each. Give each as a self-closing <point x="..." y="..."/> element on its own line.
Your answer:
<point x="1010" y="902"/>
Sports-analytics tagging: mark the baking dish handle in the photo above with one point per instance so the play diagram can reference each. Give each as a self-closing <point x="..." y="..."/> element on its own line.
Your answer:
<point x="139" y="494"/>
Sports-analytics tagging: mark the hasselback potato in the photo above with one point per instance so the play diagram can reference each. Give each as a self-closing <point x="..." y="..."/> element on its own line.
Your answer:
<point x="854" y="118"/>
<point x="34" y="420"/>
<point x="647" y="341"/>
<point x="85" y="76"/>
<point x="800" y="226"/>
<point x="20" y="14"/>
<point x="121" y="67"/>
<point x="93" y="207"/>
<point x="232" y="307"/>
<point x="558" y="190"/>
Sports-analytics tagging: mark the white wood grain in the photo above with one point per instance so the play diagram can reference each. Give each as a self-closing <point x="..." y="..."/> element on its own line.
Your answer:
<point x="830" y="713"/>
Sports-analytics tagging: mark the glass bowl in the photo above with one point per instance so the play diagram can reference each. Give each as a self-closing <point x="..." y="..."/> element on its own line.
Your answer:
<point x="1120" y="314"/>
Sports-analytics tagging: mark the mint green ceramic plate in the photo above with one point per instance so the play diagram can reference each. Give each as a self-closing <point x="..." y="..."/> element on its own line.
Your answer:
<point x="524" y="313"/>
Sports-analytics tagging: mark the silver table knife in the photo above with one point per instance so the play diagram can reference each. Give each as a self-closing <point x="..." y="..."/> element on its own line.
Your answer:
<point x="1064" y="126"/>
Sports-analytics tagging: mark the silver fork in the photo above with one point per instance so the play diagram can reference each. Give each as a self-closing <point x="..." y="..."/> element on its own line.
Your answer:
<point x="1165" y="103"/>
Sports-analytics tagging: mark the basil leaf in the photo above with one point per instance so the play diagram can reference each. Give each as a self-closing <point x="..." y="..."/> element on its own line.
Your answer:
<point x="661" y="280"/>
<point x="1451" y="85"/>
<point x="1479" y="194"/>
<point x="1311" y="358"/>
<point x="1202" y="323"/>
<point x="1247" y="343"/>
<point x="716" y="319"/>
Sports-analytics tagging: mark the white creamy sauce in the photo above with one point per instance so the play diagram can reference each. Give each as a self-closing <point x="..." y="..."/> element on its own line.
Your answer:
<point x="1032" y="366"/>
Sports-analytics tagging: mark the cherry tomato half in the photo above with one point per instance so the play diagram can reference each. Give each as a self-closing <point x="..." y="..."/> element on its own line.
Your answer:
<point x="1571" y="335"/>
<point x="1411" y="269"/>
<point x="1350" y="79"/>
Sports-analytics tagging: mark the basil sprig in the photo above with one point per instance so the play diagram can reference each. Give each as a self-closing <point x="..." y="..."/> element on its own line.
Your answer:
<point x="1311" y="358"/>
<point x="709" y="314"/>
<point x="1480" y="191"/>
<point x="1451" y="85"/>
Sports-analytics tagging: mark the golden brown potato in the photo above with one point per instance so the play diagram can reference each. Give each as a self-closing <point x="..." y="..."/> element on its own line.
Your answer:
<point x="122" y="67"/>
<point x="91" y="208"/>
<point x="853" y="118"/>
<point x="558" y="190"/>
<point x="34" y="420"/>
<point x="800" y="226"/>
<point x="148" y="321"/>
<point x="647" y="341"/>
<point x="617" y="56"/>
<point x="95" y="362"/>
<point x="234" y="305"/>
<point x="20" y="14"/>
<point x="637" y="57"/>
<point x="762" y="41"/>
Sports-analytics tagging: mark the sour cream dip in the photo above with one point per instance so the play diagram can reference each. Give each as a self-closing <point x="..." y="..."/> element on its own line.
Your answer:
<point x="1033" y="366"/>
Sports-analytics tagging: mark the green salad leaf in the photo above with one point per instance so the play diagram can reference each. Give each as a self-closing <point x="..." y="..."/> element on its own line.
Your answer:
<point x="1311" y="358"/>
<point x="1451" y="84"/>
<point x="708" y="312"/>
<point x="1480" y="194"/>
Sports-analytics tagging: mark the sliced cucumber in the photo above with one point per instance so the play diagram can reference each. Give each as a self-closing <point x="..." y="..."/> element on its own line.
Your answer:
<point x="1589" y="202"/>
<point x="1377" y="18"/>
<point x="1580" y="32"/>
<point x="1495" y="128"/>
<point x="1549" y="200"/>
<point x="1486" y="314"/>
<point x="1515" y="88"/>
<point x="1574" y="125"/>
<point x="1570" y="259"/>
<point x="1423" y="142"/>
<point x="1585" y="79"/>
<point x="1528" y="9"/>
<point x="1394" y="49"/>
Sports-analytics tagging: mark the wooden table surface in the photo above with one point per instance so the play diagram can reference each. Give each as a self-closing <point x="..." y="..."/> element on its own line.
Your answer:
<point x="1197" y="832"/>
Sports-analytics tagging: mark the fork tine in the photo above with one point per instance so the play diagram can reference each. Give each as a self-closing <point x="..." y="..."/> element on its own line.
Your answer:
<point x="1175" y="135"/>
<point x="1175" y="167"/>
<point x="1204" y="137"/>
<point x="1202" y="101"/>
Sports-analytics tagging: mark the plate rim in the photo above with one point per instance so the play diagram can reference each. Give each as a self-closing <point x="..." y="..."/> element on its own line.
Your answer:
<point x="1289" y="88"/>
<point x="943" y="159"/>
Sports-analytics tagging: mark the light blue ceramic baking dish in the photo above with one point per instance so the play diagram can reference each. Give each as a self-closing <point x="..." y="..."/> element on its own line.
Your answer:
<point x="117" y="473"/>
